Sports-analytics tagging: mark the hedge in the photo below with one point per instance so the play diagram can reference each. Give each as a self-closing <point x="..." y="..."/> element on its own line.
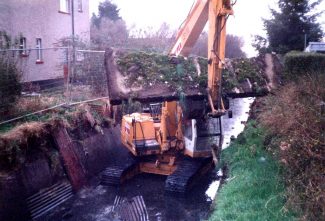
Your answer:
<point x="302" y="63"/>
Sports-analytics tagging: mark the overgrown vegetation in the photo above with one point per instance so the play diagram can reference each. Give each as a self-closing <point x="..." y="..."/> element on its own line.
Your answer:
<point x="296" y="123"/>
<point x="255" y="187"/>
<point x="239" y="70"/>
<point x="144" y="70"/>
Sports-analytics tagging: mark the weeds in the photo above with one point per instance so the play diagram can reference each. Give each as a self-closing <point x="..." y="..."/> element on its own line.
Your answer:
<point x="144" y="70"/>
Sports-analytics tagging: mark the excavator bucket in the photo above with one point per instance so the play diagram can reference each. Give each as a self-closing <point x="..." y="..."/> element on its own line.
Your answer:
<point x="155" y="78"/>
<point x="151" y="78"/>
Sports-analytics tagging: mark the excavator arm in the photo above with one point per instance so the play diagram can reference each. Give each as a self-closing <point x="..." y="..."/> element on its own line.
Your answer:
<point x="216" y="12"/>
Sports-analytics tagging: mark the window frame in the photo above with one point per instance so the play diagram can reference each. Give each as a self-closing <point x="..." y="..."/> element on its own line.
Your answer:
<point x="39" y="52"/>
<point x="64" y="6"/>
<point x="23" y="47"/>
<point x="80" y="6"/>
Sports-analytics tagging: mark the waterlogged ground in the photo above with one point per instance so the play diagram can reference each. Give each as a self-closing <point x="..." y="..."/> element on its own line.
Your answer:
<point x="95" y="202"/>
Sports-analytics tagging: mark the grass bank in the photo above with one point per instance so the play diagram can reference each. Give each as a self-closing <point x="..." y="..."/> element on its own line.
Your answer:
<point x="255" y="187"/>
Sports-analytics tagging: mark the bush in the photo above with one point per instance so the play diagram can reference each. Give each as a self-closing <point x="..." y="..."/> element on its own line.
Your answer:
<point x="10" y="86"/>
<point x="300" y="63"/>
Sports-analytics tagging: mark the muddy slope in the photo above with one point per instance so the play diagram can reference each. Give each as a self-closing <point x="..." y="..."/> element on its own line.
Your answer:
<point x="31" y="159"/>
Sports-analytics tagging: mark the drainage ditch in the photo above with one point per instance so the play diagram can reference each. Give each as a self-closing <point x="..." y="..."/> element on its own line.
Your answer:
<point x="98" y="202"/>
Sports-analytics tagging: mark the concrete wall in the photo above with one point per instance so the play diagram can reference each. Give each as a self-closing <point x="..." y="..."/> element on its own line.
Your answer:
<point x="42" y="19"/>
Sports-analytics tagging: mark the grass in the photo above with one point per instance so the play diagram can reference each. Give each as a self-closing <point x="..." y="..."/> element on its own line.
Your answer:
<point x="255" y="189"/>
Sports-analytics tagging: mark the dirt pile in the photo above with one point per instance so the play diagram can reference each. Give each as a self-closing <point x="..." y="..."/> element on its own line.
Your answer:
<point x="142" y="75"/>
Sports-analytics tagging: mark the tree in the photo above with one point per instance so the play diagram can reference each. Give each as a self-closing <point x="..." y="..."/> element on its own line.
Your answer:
<point x="109" y="10"/>
<point x="151" y="40"/>
<point x="234" y="46"/>
<point x="289" y="25"/>
<point x="106" y="9"/>
<point x="109" y="33"/>
<point x="108" y="28"/>
<point x="261" y="45"/>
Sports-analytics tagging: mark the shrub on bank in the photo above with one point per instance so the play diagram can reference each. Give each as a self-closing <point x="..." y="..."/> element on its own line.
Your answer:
<point x="301" y="63"/>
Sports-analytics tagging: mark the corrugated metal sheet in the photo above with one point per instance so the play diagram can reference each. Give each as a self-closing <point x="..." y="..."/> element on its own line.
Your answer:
<point x="49" y="198"/>
<point x="131" y="210"/>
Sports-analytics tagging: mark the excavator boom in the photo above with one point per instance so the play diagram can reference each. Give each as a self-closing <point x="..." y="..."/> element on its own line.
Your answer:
<point x="191" y="29"/>
<point x="216" y="12"/>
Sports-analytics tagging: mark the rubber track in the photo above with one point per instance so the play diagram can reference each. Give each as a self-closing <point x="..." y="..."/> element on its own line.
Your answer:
<point x="187" y="169"/>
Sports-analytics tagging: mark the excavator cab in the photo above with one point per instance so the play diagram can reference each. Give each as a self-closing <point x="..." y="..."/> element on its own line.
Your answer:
<point x="138" y="133"/>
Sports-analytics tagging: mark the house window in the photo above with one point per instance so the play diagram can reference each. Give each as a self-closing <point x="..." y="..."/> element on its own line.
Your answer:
<point x="39" y="53"/>
<point x="23" y="46"/>
<point x="64" y="6"/>
<point x="79" y="5"/>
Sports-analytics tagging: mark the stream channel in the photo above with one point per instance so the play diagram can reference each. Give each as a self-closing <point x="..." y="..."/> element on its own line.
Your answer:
<point x="95" y="203"/>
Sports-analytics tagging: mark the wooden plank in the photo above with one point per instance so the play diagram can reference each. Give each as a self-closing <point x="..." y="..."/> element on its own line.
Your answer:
<point x="72" y="163"/>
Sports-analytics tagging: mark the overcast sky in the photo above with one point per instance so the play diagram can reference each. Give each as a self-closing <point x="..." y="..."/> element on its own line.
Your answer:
<point x="246" y="22"/>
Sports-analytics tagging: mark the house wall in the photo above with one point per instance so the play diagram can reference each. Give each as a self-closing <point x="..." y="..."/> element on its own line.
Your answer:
<point x="5" y="11"/>
<point x="41" y="19"/>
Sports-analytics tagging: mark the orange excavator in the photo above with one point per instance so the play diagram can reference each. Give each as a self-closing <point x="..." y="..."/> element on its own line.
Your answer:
<point x="163" y="139"/>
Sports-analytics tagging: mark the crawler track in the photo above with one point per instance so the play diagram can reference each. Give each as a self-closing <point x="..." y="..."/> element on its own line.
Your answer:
<point x="187" y="173"/>
<point x="117" y="174"/>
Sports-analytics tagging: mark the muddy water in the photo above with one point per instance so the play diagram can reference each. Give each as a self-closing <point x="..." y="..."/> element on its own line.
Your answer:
<point x="95" y="203"/>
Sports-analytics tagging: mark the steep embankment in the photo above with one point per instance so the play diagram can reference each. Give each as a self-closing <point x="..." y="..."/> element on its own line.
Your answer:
<point x="74" y="146"/>
<point x="294" y="118"/>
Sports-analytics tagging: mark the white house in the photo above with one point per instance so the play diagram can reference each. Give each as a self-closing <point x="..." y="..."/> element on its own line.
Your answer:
<point x="39" y="25"/>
